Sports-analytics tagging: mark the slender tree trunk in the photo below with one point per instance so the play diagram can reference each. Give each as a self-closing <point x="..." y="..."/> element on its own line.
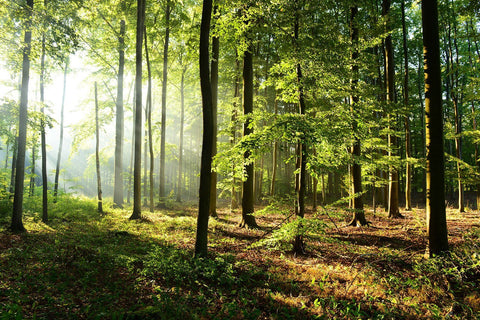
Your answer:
<point x="137" y="184"/>
<point x="119" y="119"/>
<point x="236" y="96"/>
<point x="274" y="155"/>
<point x="97" y="154"/>
<point x="182" y="123"/>
<point x="214" y="86"/>
<point x="435" y="204"/>
<point x="393" y="211"/>
<point x="161" y="195"/>
<point x="60" y="144"/>
<point x="356" y="169"/>
<point x="474" y="121"/>
<point x="17" y="223"/>
<point x="248" y="219"/>
<point x="42" y="134"/>
<point x="299" y="245"/>
<point x="207" y="108"/>
<point x="454" y="81"/>
<point x="33" y="166"/>
<point x="408" y="147"/>
<point x="132" y="152"/>
<point x="14" y="164"/>
<point x="149" y="121"/>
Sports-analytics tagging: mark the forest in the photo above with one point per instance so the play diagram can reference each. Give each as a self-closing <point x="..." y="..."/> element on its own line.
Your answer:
<point x="186" y="159"/>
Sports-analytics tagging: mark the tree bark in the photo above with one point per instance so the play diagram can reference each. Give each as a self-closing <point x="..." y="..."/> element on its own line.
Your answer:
<point x="435" y="186"/>
<point x="274" y="156"/>
<point x="60" y="144"/>
<point x="17" y="223"/>
<point x="356" y="169"/>
<point x="207" y="108"/>
<point x="408" y="146"/>
<point x="182" y="124"/>
<point x="97" y="155"/>
<point x="236" y="96"/>
<point x="149" y="121"/>
<point x="214" y="86"/>
<point x="137" y="170"/>
<point x="161" y="195"/>
<point x="119" y="119"/>
<point x="248" y="219"/>
<point x="393" y="211"/>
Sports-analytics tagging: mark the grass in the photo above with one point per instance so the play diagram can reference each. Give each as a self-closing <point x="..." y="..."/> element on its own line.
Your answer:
<point x="85" y="266"/>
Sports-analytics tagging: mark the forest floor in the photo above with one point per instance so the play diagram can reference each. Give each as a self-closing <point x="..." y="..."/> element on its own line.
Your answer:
<point x="84" y="266"/>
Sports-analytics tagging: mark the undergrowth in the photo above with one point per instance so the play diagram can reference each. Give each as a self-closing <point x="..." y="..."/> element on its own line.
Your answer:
<point x="83" y="265"/>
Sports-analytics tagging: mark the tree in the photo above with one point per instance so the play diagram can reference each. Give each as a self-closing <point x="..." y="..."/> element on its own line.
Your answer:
<point x="42" y="131"/>
<point x="137" y="170"/>
<point x="435" y="202"/>
<point x="393" y="211"/>
<point x="17" y="223"/>
<point x="97" y="155"/>
<point x="408" y="142"/>
<point x="161" y="195"/>
<point x="214" y="85"/>
<point x="248" y="219"/>
<point x="206" y="161"/>
<point x="149" y="122"/>
<point x="118" y="174"/>
<point x="60" y="144"/>
<point x="299" y="246"/>
<point x="356" y="171"/>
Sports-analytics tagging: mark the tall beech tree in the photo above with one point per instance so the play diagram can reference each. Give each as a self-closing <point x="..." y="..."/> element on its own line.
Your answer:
<point x="299" y="246"/>
<point x="356" y="170"/>
<point x="60" y="143"/>
<point x="207" y="109"/>
<point x="161" y="195"/>
<point x="435" y="179"/>
<point x="408" y="140"/>
<point x="393" y="211"/>
<point x="214" y="85"/>
<point x="97" y="155"/>
<point x="137" y="165"/>
<point x="119" y="121"/>
<point x="17" y="222"/>
<point x="43" y="124"/>
<point x="248" y="198"/>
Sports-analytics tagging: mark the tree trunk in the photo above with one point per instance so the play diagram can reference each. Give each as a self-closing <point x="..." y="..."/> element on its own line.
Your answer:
<point x="14" y="164"/>
<point x="248" y="219"/>
<point x="149" y="121"/>
<point x="161" y="195"/>
<point x="299" y="245"/>
<point x="356" y="170"/>
<point x="214" y="86"/>
<point x="393" y="211"/>
<point x="182" y="123"/>
<point x="207" y="147"/>
<point x="236" y="96"/>
<point x="454" y="82"/>
<point x="274" y="155"/>
<point x="33" y="166"/>
<point x="408" y="146"/>
<point x="435" y="202"/>
<point x="60" y="144"/>
<point x="17" y="223"/>
<point x="97" y="154"/>
<point x="42" y="134"/>
<point x="137" y="170"/>
<point x="118" y="171"/>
